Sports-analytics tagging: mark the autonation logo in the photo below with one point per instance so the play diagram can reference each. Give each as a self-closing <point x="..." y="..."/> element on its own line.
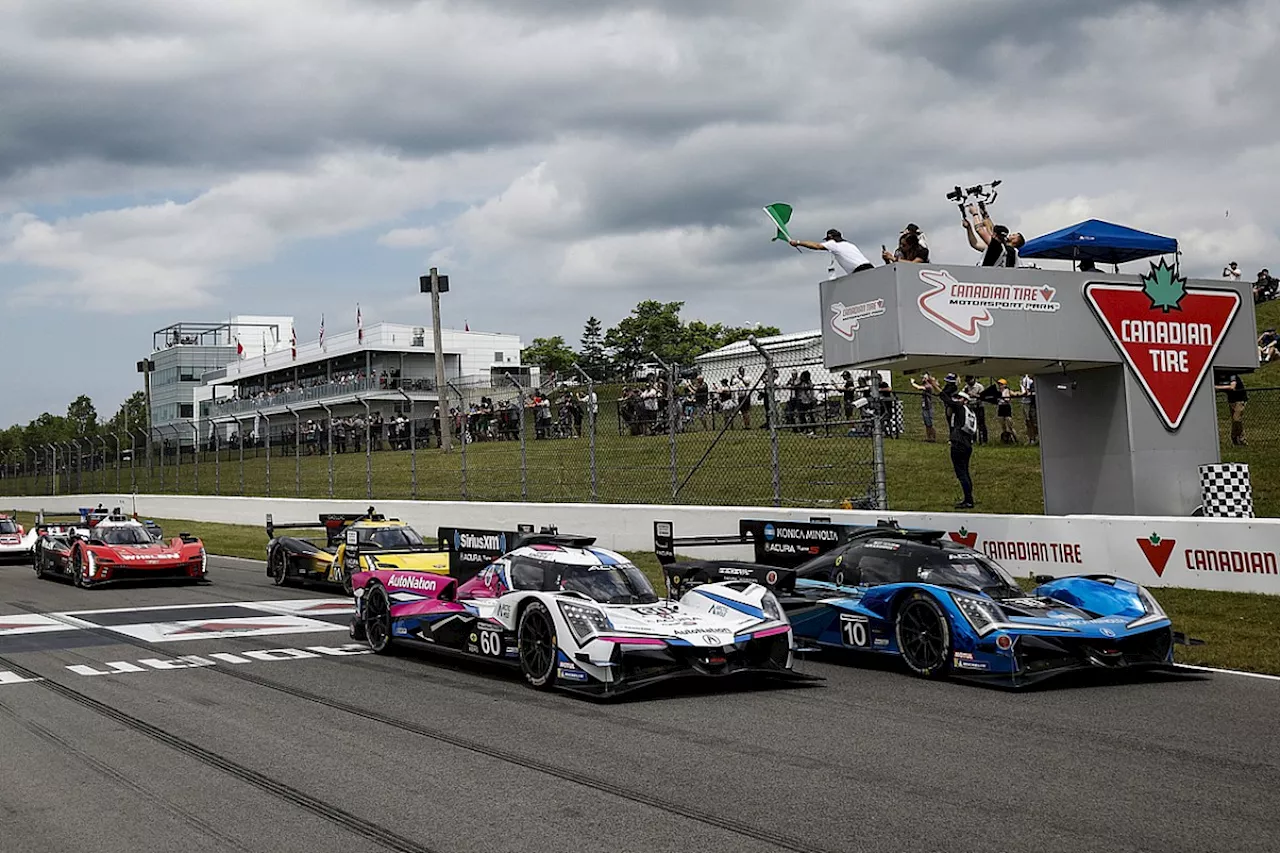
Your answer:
<point x="419" y="582"/>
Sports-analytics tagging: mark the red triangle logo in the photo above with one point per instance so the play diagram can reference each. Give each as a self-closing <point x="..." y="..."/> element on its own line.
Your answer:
<point x="1157" y="552"/>
<point x="1168" y="342"/>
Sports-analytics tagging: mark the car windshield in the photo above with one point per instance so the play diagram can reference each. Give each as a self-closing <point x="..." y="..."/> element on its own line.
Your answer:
<point x="8" y="525"/>
<point x="123" y="535"/>
<point x="620" y="584"/>
<point x="393" y="537"/>
<point x="968" y="569"/>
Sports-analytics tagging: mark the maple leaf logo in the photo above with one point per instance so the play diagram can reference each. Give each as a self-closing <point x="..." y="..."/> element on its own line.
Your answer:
<point x="1164" y="287"/>
<point x="1154" y="539"/>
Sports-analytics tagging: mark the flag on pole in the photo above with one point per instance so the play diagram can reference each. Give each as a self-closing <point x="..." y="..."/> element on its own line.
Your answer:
<point x="293" y="344"/>
<point x="359" y="325"/>
<point x="239" y="348"/>
<point x="321" y="331"/>
<point x="780" y="214"/>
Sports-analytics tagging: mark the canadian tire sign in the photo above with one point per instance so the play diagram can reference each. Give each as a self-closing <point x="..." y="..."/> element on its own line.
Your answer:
<point x="1166" y="332"/>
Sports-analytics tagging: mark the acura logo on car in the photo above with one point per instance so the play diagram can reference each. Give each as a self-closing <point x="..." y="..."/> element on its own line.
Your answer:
<point x="1107" y="632"/>
<point x="711" y="639"/>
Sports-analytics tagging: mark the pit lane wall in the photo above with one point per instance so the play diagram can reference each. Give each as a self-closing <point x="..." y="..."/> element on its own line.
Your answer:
<point x="1202" y="553"/>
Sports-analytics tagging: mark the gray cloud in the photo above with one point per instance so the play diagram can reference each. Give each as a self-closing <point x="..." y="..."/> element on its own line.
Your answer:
<point x="606" y="150"/>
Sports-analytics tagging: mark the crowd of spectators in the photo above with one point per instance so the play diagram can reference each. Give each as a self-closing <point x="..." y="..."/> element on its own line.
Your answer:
<point x="1265" y="286"/>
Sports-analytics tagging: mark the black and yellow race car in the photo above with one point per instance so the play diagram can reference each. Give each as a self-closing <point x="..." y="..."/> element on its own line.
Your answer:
<point x="389" y="542"/>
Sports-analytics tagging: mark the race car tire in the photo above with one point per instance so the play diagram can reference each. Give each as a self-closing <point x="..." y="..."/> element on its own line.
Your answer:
<point x="77" y="570"/>
<point x="279" y="567"/>
<point x="924" y="636"/>
<point x="37" y="558"/>
<point x="376" y="616"/>
<point x="536" y="640"/>
<point x="346" y="583"/>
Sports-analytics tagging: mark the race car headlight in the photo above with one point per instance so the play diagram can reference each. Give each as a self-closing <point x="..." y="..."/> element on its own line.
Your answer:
<point x="769" y="604"/>
<point x="982" y="614"/>
<point x="91" y="563"/>
<point x="1149" y="603"/>
<point x="584" y="622"/>
<point x="1152" y="611"/>
<point x="204" y="562"/>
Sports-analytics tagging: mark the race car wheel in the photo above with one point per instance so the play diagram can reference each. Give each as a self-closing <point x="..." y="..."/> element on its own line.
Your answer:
<point x="536" y="638"/>
<point x="279" y="567"/>
<point x="77" y="569"/>
<point x="924" y="636"/>
<point x="377" y="619"/>
<point x="346" y="583"/>
<point x="37" y="558"/>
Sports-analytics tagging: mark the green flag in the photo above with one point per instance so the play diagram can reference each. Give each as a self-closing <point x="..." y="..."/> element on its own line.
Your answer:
<point x="780" y="214"/>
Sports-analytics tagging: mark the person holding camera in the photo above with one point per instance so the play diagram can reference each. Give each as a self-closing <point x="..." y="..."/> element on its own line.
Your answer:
<point x="962" y="426"/>
<point x="912" y="247"/>
<point x="999" y="247"/>
<point x="848" y="256"/>
<point x="1237" y="397"/>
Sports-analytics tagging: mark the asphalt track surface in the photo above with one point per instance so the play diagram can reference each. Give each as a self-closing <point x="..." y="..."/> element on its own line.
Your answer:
<point x="316" y="751"/>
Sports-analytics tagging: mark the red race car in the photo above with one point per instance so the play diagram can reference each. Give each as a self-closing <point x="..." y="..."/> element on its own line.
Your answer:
<point x="117" y="548"/>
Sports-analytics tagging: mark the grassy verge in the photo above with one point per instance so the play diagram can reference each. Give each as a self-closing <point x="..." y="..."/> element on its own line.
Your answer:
<point x="1241" y="630"/>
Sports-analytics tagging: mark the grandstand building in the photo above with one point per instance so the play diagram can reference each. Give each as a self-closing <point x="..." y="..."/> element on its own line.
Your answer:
<point x="246" y="376"/>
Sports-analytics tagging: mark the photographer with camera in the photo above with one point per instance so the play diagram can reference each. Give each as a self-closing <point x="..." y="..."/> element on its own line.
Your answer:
<point x="999" y="247"/>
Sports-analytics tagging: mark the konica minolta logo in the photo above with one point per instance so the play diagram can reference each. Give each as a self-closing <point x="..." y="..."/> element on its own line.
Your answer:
<point x="421" y="582"/>
<point x="480" y="541"/>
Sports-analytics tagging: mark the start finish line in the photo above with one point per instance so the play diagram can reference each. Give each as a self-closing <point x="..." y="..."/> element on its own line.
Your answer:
<point x="1120" y="363"/>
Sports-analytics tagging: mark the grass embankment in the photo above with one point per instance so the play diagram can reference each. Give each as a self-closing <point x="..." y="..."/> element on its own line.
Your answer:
<point x="1241" y="630"/>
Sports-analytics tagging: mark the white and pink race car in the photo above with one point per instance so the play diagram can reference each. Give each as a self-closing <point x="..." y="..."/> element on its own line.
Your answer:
<point x="16" y="543"/>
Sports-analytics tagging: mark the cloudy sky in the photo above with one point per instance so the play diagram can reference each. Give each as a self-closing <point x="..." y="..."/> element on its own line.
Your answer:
<point x="165" y="161"/>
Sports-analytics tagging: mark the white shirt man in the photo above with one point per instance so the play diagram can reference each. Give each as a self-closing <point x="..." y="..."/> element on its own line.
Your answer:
<point x="846" y="255"/>
<point x="1232" y="271"/>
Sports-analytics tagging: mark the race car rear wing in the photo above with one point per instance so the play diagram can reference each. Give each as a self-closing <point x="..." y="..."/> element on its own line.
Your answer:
<point x="783" y="543"/>
<point x="683" y="576"/>
<point x="332" y="523"/>
<point x="470" y="550"/>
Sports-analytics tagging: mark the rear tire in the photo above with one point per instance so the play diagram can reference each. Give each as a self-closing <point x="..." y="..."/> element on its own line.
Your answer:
<point x="37" y="559"/>
<point x="536" y="639"/>
<point x="924" y="636"/>
<point x="376" y="619"/>
<point x="279" y="567"/>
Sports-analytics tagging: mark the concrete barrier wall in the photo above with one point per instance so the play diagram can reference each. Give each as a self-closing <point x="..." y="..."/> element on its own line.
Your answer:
<point x="1223" y="554"/>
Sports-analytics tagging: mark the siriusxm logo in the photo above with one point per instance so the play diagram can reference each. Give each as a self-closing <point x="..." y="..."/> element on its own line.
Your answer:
<point x="769" y="532"/>
<point x="479" y="542"/>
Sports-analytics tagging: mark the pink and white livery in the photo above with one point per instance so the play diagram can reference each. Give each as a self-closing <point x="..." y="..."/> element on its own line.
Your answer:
<point x="574" y="616"/>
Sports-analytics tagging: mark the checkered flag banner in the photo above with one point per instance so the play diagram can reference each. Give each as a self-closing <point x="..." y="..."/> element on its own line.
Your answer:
<point x="1225" y="491"/>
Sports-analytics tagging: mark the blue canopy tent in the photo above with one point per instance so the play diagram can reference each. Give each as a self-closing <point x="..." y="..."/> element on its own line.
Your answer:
<point x="1101" y="242"/>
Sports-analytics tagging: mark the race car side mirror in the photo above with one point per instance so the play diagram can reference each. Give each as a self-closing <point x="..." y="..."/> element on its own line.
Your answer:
<point x="1043" y="578"/>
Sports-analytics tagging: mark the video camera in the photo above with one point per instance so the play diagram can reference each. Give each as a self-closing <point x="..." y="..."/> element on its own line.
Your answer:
<point x="983" y="194"/>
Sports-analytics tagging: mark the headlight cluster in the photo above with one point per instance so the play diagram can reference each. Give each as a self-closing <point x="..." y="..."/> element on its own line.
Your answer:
<point x="1152" y="611"/>
<point x="982" y="614"/>
<point x="204" y="562"/>
<point x="584" y="621"/>
<point x="771" y="607"/>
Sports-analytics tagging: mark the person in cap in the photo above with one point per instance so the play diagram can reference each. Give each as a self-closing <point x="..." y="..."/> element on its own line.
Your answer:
<point x="848" y="256"/>
<point x="1004" y="412"/>
<point x="962" y="426"/>
<point x="912" y="247"/>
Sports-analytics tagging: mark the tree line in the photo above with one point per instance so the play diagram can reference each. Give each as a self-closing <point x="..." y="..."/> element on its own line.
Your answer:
<point x="80" y="422"/>
<point x="652" y="327"/>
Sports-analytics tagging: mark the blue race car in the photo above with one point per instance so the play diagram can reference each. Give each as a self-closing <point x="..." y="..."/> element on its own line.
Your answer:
<point x="941" y="607"/>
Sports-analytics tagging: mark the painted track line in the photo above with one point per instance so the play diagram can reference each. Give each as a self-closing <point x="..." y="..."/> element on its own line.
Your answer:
<point x="1193" y="668"/>
<point x="604" y="786"/>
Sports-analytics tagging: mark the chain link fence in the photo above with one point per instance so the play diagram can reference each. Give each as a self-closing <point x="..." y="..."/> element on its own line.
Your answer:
<point x="670" y="441"/>
<point x="768" y="441"/>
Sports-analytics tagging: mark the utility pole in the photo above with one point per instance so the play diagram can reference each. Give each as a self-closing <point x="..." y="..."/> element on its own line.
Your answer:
<point x="145" y="368"/>
<point x="438" y="284"/>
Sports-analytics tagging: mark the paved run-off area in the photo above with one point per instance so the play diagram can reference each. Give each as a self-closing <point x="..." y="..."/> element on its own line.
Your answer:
<point x="236" y="716"/>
